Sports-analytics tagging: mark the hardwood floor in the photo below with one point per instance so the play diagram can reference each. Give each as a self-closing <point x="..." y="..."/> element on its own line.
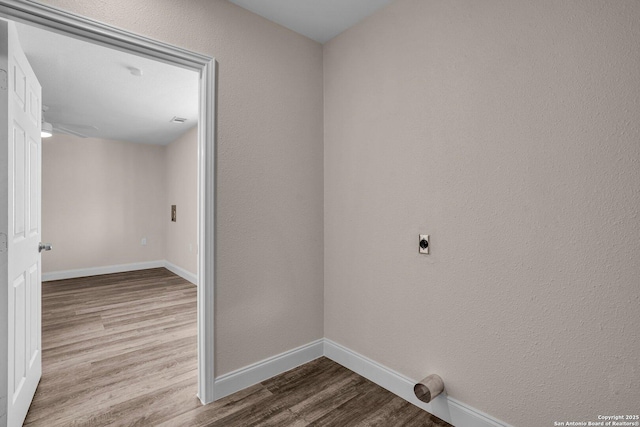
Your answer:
<point x="120" y="350"/>
<point x="114" y="346"/>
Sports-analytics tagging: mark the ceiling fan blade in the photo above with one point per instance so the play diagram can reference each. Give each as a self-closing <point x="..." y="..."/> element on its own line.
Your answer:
<point x="75" y="126"/>
<point x="62" y="129"/>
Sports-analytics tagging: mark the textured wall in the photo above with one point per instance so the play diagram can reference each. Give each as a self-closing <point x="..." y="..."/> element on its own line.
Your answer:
<point x="99" y="198"/>
<point x="269" y="282"/>
<point x="510" y="132"/>
<point x="181" y="178"/>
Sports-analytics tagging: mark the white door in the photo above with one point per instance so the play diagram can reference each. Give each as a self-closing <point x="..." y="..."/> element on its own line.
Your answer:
<point x="23" y="95"/>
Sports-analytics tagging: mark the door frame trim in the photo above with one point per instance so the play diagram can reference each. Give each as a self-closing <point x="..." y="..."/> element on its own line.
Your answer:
<point x="66" y="23"/>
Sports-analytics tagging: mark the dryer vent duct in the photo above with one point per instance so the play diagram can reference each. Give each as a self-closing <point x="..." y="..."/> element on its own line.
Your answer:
<point x="427" y="389"/>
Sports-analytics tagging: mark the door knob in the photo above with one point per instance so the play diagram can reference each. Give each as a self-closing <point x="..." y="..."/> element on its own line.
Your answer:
<point x="44" y="247"/>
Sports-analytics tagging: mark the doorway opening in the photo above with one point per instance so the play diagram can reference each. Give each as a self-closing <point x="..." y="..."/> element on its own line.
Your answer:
<point x="60" y="22"/>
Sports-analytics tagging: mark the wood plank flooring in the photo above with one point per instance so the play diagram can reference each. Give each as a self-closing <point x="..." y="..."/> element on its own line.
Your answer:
<point x="120" y="350"/>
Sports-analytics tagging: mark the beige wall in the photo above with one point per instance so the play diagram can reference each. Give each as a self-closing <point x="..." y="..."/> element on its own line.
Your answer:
<point x="99" y="199"/>
<point x="509" y="131"/>
<point x="269" y="237"/>
<point x="181" y="180"/>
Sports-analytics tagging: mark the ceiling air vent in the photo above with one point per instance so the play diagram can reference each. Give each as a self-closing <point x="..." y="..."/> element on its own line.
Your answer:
<point x="177" y="119"/>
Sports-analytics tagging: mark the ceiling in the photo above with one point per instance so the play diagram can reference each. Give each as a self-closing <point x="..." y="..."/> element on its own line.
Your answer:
<point x="90" y="89"/>
<point x="320" y="20"/>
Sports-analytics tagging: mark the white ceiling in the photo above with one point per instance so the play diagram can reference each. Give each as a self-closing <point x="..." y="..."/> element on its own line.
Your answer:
<point x="87" y="86"/>
<point x="320" y="20"/>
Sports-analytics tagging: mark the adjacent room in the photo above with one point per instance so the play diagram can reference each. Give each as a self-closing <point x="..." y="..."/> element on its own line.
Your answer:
<point x="421" y="213"/>
<point x="119" y="185"/>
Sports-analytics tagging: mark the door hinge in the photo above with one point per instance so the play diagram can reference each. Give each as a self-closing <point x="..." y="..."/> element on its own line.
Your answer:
<point x="3" y="79"/>
<point x="3" y="242"/>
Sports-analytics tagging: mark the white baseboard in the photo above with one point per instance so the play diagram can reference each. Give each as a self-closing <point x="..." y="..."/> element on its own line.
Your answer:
<point x="245" y="377"/>
<point x="444" y="407"/>
<point x="96" y="271"/>
<point x="186" y="275"/>
<point x="121" y="268"/>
